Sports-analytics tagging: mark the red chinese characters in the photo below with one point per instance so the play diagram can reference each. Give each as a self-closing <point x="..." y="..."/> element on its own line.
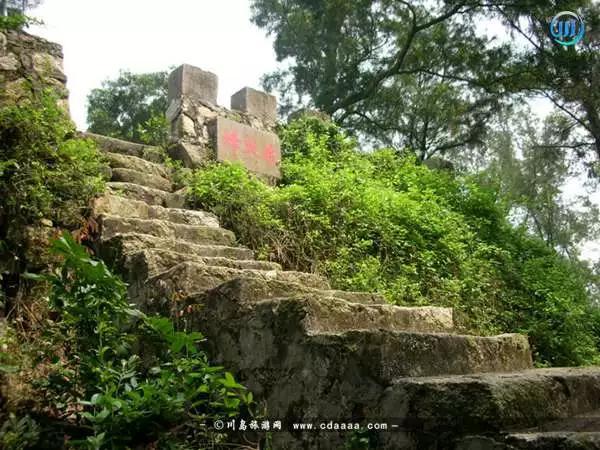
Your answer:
<point x="269" y="155"/>
<point x="250" y="147"/>
<point x="257" y="150"/>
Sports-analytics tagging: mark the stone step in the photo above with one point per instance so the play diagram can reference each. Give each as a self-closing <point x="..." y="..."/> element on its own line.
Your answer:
<point x="360" y="297"/>
<point x="110" y="226"/>
<point x="141" y="178"/>
<point x="113" y="145"/>
<point x="576" y="432"/>
<point x="281" y="353"/>
<point x="562" y="440"/>
<point x="243" y="289"/>
<point x="554" y="440"/>
<point x="146" y="194"/>
<point x="321" y="310"/>
<point x="448" y="407"/>
<point x="114" y="248"/>
<point x="143" y="264"/>
<point x="190" y="278"/>
<point x="125" y="207"/>
<point x="393" y="354"/>
<point x="118" y="160"/>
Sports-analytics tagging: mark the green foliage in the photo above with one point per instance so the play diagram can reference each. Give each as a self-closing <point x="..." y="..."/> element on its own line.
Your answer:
<point x="46" y="172"/>
<point x="380" y="222"/>
<point x="397" y="73"/>
<point x="531" y="173"/>
<point x="131" y="107"/>
<point x="14" y="22"/>
<point x="91" y="352"/>
<point x="19" y="434"/>
<point x="422" y="75"/>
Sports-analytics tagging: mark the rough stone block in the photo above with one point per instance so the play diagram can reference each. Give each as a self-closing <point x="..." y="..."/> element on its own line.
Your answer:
<point x="3" y="44"/>
<point x="192" y="156"/>
<point x="183" y="127"/>
<point x="255" y="102"/>
<point x="256" y="150"/>
<point x="48" y="66"/>
<point x="192" y="82"/>
<point x="9" y="63"/>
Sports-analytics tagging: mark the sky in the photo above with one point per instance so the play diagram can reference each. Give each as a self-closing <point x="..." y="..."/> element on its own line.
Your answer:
<point x="100" y="38"/>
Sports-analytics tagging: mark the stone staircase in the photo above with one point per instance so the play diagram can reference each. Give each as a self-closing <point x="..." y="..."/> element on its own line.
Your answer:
<point x="314" y="354"/>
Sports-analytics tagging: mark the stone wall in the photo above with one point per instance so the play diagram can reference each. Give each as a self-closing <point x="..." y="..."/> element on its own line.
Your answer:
<point x="29" y="64"/>
<point x="202" y="131"/>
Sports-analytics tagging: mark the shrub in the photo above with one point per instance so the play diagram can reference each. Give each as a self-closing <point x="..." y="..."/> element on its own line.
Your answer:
<point x="45" y="171"/>
<point x="95" y="379"/>
<point x="381" y="222"/>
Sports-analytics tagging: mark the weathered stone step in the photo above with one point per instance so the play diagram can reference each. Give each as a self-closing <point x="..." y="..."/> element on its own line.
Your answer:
<point x="125" y="207"/>
<point x="333" y="315"/>
<point x="360" y="297"/>
<point x="448" y="407"/>
<point x="271" y="348"/>
<point x="113" y="145"/>
<point x="141" y="178"/>
<point x="317" y="310"/>
<point x="552" y="440"/>
<point x="251" y="289"/>
<point x="118" y="160"/>
<point x="143" y="264"/>
<point x="392" y="354"/>
<point x="113" y="248"/>
<point x="147" y="194"/>
<point x="110" y="226"/>
<point x="190" y="278"/>
<point x="564" y="440"/>
<point x="577" y="432"/>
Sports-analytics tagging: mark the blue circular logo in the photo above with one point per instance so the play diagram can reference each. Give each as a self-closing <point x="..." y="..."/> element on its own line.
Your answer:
<point x="567" y="28"/>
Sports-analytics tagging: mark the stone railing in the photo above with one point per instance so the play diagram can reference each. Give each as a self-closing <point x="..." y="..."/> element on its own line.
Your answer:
<point x="202" y="131"/>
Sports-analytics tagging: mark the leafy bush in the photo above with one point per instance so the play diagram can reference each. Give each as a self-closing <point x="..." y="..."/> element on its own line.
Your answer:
<point x="19" y="434"/>
<point x="381" y="222"/>
<point x="45" y="171"/>
<point x="16" y="22"/>
<point x="90" y="351"/>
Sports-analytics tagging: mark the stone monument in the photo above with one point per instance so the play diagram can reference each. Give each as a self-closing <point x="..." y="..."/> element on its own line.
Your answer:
<point x="202" y="131"/>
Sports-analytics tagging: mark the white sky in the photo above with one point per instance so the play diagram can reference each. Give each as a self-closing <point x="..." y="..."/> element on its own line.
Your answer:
<point x="101" y="37"/>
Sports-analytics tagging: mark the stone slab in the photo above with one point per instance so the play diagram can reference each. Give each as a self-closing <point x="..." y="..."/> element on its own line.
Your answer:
<point x="255" y="102"/>
<point x="126" y="207"/>
<point x="146" y="194"/>
<point x="258" y="151"/>
<point x="456" y="406"/>
<point x="192" y="156"/>
<point x="193" y="82"/>
<point x="120" y="245"/>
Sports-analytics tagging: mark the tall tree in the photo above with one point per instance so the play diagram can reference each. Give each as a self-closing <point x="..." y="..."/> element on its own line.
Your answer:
<point x="17" y="5"/>
<point x="532" y="174"/>
<point x="130" y="107"/>
<point x="376" y="66"/>
<point x="399" y="72"/>
<point x="567" y="76"/>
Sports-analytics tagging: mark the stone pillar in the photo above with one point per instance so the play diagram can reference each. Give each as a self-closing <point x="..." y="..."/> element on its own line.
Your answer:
<point x="193" y="83"/>
<point x="202" y="131"/>
<point x="30" y="64"/>
<point x="192" y="98"/>
<point x="257" y="103"/>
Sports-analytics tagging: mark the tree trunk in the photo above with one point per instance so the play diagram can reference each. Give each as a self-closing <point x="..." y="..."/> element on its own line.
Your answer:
<point x="3" y="8"/>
